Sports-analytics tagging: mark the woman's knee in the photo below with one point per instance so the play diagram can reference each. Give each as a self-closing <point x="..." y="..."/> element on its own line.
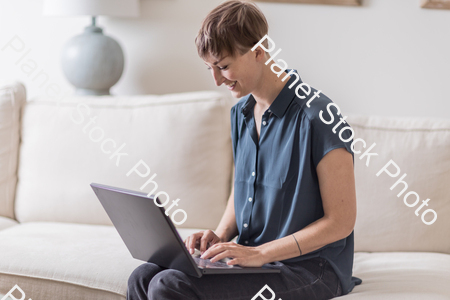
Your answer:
<point x="168" y="284"/>
<point x="142" y="275"/>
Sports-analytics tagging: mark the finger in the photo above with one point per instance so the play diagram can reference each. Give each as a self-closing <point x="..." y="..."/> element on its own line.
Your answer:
<point x="207" y="239"/>
<point x="197" y="244"/>
<point x="233" y="262"/>
<point x="188" y="245"/>
<point x="193" y="239"/>
<point x="213" y="251"/>
<point x="215" y="240"/>
<point x="203" y="243"/>
<point x="222" y="255"/>
<point x="227" y="245"/>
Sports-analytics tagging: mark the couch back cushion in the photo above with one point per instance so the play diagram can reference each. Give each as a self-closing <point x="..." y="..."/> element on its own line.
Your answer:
<point x="12" y="98"/>
<point x="183" y="138"/>
<point x="421" y="150"/>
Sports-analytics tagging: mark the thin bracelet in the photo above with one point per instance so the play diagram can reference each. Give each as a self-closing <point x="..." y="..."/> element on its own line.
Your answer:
<point x="297" y="245"/>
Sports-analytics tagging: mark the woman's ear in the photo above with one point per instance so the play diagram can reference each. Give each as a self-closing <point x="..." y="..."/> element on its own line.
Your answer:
<point x="259" y="54"/>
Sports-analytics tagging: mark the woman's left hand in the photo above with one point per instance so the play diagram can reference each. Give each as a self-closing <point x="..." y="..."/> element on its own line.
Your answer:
<point x="241" y="255"/>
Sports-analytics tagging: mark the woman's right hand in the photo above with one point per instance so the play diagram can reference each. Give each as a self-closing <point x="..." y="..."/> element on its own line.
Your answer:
<point x="202" y="241"/>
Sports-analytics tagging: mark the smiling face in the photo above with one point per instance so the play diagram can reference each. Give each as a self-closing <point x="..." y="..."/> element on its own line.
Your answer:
<point x="224" y="41"/>
<point x="240" y="74"/>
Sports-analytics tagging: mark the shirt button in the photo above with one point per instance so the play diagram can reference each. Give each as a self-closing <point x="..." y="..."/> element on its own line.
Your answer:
<point x="264" y="123"/>
<point x="253" y="173"/>
<point x="245" y="225"/>
<point x="246" y="242"/>
<point x="269" y="110"/>
<point x="250" y="199"/>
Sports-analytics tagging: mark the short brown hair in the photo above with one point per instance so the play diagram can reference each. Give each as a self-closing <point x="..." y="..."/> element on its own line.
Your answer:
<point x="232" y="27"/>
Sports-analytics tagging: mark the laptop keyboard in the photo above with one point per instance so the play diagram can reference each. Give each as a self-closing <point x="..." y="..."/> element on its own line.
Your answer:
<point x="206" y="263"/>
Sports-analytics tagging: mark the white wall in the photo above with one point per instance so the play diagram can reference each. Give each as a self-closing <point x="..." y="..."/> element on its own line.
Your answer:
<point x="384" y="58"/>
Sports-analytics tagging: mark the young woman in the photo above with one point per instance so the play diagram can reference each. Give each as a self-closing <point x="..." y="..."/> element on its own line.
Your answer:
<point x="293" y="204"/>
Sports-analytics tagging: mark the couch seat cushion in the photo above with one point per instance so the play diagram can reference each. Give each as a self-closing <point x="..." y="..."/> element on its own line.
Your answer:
<point x="6" y="223"/>
<point x="74" y="261"/>
<point x="66" y="261"/>
<point x="401" y="276"/>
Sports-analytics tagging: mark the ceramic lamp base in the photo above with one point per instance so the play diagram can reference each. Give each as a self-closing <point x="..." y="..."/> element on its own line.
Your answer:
<point x="92" y="62"/>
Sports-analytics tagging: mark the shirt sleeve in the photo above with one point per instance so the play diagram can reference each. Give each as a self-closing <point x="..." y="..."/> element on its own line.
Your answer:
<point x="323" y="138"/>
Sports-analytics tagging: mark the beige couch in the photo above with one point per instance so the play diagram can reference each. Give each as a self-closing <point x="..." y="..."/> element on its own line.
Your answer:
<point x="58" y="243"/>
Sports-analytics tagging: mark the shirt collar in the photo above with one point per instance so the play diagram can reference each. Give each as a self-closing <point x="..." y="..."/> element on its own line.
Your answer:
<point x="281" y="102"/>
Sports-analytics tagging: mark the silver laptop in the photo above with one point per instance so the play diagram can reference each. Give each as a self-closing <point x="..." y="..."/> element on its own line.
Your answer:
<point x="151" y="236"/>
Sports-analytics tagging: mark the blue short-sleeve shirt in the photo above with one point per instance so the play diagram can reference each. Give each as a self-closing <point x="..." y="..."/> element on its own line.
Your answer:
<point x="276" y="184"/>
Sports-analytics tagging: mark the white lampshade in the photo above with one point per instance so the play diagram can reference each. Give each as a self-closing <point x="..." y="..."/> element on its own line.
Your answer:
<point x="116" y="8"/>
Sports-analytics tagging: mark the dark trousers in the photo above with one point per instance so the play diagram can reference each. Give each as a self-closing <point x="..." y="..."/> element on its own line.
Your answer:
<point x="312" y="279"/>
